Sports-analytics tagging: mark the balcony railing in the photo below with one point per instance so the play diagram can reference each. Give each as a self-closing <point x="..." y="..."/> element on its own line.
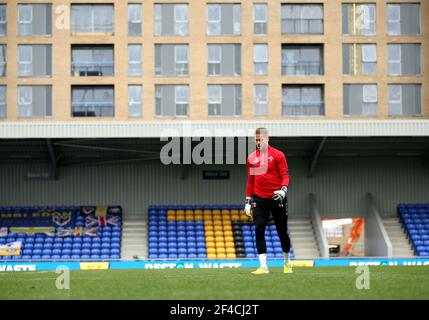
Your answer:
<point x="303" y="108"/>
<point x="92" y="68"/>
<point x="297" y="26"/>
<point x="302" y="68"/>
<point x="93" y="108"/>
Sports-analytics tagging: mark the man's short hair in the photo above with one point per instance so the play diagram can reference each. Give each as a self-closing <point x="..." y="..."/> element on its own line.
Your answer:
<point x="262" y="131"/>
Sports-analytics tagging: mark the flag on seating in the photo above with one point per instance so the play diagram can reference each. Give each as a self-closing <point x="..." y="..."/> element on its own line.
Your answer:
<point x="11" y="249"/>
<point x="101" y="213"/>
<point x="77" y="232"/>
<point x="3" y="231"/>
<point x="50" y="231"/>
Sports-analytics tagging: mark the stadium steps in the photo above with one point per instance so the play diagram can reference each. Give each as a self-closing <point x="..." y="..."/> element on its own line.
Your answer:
<point x="303" y="239"/>
<point x="401" y="247"/>
<point x="134" y="238"/>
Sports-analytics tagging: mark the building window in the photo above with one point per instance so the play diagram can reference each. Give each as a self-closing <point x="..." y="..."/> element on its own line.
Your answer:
<point x="171" y="100"/>
<point x="34" y="19"/>
<point x="34" y="101"/>
<point x="3" y="101"/>
<point x="224" y="59"/>
<point x="405" y="100"/>
<point x="224" y="100"/>
<point x="299" y="60"/>
<point x="302" y="18"/>
<point x="302" y="100"/>
<point x="135" y="101"/>
<point x="403" y="19"/>
<point x="3" y="20"/>
<point x="404" y="59"/>
<point x="359" y="19"/>
<point x="3" y="61"/>
<point x="35" y="60"/>
<point x="171" y="19"/>
<point x="171" y="60"/>
<point x="360" y="99"/>
<point x="260" y="57"/>
<point x="92" y="60"/>
<point x="134" y="19"/>
<point x="359" y="59"/>
<point x="93" y="101"/>
<point x="261" y="99"/>
<point x="260" y="18"/>
<point x="223" y="19"/>
<point x="90" y="18"/>
<point x="134" y="60"/>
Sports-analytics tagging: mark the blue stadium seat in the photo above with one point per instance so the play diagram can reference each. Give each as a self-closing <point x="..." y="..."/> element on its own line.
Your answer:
<point x="66" y="252"/>
<point x="48" y="245"/>
<point x="36" y="257"/>
<point x="95" y="256"/>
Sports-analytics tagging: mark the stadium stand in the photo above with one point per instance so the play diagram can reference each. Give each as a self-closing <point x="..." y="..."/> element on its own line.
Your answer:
<point x="415" y="219"/>
<point x="83" y="236"/>
<point x="210" y="231"/>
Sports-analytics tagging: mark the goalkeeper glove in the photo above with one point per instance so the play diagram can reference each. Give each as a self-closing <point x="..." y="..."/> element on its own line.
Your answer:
<point x="248" y="206"/>
<point x="280" y="194"/>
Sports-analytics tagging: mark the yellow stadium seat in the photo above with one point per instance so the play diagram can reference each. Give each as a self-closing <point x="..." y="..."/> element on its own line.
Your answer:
<point x="220" y="250"/>
<point x="218" y="233"/>
<point x="208" y="222"/>
<point x="230" y="256"/>
<point x="216" y="211"/>
<point x="217" y="218"/>
<point x="230" y="250"/>
<point x="171" y="218"/>
<point x="198" y="217"/>
<point x="221" y="256"/>
<point x="189" y="212"/>
<point x="217" y="228"/>
<point x="189" y="218"/>
<point x="227" y="227"/>
<point x="234" y="212"/>
<point x="228" y="238"/>
<point x="217" y="223"/>
<point x="235" y="217"/>
<point x="225" y="212"/>
<point x="180" y="211"/>
<point x="210" y="245"/>
<point x="207" y="211"/>
<point x="228" y="233"/>
<point x="220" y="246"/>
<point x="211" y="250"/>
<point x="229" y="244"/>
<point x="198" y="212"/>
<point x="171" y="212"/>
<point x="220" y="239"/>
<point x="211" y="256"/>
<point x="210" y="239"/>
<point x="209" y="233"/>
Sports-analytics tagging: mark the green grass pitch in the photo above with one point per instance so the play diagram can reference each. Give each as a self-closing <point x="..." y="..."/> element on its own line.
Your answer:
<point x="305" y="283"/>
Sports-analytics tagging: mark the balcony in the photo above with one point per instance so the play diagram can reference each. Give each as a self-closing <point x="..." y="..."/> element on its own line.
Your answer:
<point x="92" y="68"/>
<point x="301" y="68"/>
<point x="93" y="108"/>
<point x="301" y="108"/>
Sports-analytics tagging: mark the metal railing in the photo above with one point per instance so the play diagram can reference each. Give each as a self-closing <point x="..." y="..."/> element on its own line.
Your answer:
<point x="303" y="108"/>
<point x="298" y="68"/>
<point x="93" y="108"/>
<point x="92" y="68"/>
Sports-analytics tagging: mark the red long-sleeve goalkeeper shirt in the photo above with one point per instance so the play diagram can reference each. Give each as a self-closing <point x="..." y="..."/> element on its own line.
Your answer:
<point x="266" y="173"/>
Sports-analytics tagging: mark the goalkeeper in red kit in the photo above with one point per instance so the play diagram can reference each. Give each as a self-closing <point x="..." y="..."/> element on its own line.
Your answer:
<point x="267" y="186"/>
